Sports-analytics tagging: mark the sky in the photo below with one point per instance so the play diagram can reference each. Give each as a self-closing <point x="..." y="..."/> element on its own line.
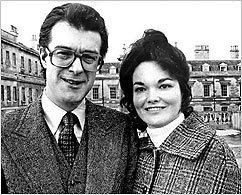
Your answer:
<point x="189" y="23"/>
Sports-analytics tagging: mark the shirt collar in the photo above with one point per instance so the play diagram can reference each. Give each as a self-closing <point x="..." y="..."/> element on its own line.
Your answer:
<point x="53" y="114"/>
<point x="158" y="135"/>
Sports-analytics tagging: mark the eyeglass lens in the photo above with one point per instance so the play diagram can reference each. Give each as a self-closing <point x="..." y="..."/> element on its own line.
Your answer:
<point x="64" y="58"/>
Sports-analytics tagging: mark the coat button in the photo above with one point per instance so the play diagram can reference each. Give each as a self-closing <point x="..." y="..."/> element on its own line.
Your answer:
<point x="144" y="190"/>
<point x="72" y="182"/>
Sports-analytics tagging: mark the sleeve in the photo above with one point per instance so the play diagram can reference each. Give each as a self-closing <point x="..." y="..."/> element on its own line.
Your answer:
<point x="132" y="157"/>
<point x="232" y="179"/>
<point x="4" y="188"/>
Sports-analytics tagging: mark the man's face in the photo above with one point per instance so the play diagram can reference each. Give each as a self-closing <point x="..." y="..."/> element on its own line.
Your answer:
<point x="67" y="87"/>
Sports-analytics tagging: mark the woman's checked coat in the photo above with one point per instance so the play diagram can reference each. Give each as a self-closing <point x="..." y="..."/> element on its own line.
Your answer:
<point x="192" y="160"/>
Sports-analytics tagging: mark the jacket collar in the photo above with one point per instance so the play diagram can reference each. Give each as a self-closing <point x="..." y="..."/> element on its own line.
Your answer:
<point x="188" y="140"/>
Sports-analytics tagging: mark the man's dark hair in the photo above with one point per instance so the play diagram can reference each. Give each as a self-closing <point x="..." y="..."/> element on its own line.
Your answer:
<point x="154" y="46"/>
<point x="80" y="17"/>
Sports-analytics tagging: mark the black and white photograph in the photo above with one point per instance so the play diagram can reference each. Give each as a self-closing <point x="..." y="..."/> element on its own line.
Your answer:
<point x="121" y="97"/>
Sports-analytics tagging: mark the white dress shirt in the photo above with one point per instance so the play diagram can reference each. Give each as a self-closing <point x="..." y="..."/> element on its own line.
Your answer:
<point x="53" y="115"/>
<point x="158" y="135"/>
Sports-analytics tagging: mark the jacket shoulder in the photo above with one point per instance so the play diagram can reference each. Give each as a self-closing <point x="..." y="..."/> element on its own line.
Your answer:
<point x="12" y="119"/>
<point x="108" y="113"/>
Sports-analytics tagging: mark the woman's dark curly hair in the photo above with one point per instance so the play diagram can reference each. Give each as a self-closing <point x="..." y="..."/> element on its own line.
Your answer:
<point x="154" y="46"/>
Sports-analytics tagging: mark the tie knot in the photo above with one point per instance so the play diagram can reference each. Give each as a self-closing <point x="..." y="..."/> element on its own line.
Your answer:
<point x="69" y="119"/>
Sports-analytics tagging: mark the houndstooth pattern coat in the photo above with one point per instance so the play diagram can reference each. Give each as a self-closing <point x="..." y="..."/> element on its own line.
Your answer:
<point x="192" y="160"/>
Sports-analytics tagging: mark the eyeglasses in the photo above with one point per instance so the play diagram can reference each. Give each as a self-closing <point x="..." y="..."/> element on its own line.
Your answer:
<point x="64" y="58"/>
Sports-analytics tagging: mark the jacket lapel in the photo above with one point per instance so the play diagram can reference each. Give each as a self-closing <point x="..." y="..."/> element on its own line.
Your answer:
<point x="31" y="149"/>
<point x="104" y="150"/>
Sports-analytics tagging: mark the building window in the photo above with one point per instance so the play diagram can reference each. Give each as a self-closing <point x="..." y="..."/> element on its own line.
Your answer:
<point x="224" y="90"/>
<point x="7" y="58"/>
<point x="224" y="108"/>
<point x="30" y="68"/>
<point x="2" y="93"/>
<point x="235" y="67"/>
<point x="15" y="93"/>
<point x="14" y="60"/>
<point x="205" y="67"/>
<point x="207" y="108"/>
<point x="22" y="63"/>
<point x="8" y="93"/>
<point x="1" y="56"/>
<point x="113" y="93"/>
<point x="223" y="67"/>
<point x="23" y="95"/>
<point x="206" y="89"/>
<point x="112" y="70"/>
<point x="37" y="93"/>
<point x="36" y="67"/>
<point x="30" y="95"/>
<point x="95" y="93"/>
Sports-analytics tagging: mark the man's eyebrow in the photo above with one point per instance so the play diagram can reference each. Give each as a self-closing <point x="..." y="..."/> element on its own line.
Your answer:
<point x="63" y="47"/>
<point x="69" y="48"/>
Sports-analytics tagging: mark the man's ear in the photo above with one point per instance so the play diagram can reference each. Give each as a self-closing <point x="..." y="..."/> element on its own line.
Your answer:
<point x="43" y="55"/>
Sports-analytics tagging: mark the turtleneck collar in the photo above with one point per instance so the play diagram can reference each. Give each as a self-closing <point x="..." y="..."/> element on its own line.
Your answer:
<point x="158" y="135"/>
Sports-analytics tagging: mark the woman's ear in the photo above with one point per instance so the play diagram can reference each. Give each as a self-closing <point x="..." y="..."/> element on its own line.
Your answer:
<point x="43" y="56"/>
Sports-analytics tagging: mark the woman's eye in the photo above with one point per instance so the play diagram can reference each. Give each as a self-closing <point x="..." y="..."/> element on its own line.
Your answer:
<point x="139" y="89"/>
<point x="165" y="86"/>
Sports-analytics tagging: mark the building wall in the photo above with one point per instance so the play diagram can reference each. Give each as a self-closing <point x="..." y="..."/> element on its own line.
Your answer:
<point x="16" y="75"/>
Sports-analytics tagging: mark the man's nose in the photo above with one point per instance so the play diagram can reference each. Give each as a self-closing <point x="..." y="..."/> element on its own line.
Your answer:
<point x="77" y="66"/>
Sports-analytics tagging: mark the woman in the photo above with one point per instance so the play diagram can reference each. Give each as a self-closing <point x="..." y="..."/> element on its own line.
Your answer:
<point x="178" y="152"/>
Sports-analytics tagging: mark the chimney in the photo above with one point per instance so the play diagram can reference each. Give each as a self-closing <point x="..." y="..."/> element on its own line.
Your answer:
<point x="34" y="43"/>
<point x="234" y="52"/>
<point x="201" y="52"/>
<point x="14" y="32"/>
<point x="176" y="44"/>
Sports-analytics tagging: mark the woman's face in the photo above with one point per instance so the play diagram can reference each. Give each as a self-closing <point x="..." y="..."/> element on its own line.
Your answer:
<point x="156" y="96"/>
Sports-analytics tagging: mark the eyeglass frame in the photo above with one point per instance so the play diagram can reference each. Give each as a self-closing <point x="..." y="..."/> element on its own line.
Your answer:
<point x="100" y="61"/>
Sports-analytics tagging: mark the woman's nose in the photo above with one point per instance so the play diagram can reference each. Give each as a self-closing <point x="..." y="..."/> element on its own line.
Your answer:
<point x="153" y="96"/>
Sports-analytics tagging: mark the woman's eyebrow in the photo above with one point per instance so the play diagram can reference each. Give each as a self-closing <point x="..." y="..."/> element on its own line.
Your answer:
<point x="138" y="83"/>
<point x="165" y="79"/>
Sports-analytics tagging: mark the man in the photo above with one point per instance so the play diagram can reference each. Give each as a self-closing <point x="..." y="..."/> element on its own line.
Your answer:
<point x="43" y="154"/>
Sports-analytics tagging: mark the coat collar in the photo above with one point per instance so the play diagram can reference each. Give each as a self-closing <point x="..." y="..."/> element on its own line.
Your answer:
<point x="188" y="140"/>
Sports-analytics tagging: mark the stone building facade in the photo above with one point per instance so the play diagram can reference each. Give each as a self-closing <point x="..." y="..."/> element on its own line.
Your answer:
<point x="21" y="78"/>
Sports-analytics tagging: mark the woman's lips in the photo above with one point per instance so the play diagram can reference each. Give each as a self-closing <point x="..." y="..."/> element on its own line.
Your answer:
<point x="155" y="108"/>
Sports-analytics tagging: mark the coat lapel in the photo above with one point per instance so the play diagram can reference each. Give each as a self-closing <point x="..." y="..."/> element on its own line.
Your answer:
<point x="31" y="149"/>
<point x="105" y="140"/>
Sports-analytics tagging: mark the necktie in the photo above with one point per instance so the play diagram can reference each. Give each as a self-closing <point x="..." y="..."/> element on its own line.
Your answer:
<point x="67" y="140"/>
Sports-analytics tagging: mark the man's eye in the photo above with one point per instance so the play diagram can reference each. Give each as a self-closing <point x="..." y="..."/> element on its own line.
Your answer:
<point x="89" y="58"/>
<point x="64" y="54"/>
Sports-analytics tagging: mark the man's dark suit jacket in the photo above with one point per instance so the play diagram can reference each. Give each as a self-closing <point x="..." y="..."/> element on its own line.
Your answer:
<point x="33" y="163"/>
